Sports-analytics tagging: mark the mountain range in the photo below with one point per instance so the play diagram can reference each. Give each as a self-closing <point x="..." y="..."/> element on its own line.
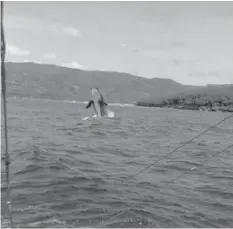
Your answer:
<point x="61" y="83"/>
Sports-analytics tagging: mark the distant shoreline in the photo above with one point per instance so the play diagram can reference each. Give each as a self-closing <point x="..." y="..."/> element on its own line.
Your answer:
<point x="192" y="107"/>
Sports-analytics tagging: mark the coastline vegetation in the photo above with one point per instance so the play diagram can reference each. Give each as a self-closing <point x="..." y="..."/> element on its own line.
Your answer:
<point x="201" y="101"/>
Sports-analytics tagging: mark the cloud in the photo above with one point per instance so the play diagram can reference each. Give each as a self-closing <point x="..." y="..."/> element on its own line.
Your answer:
<point x="36" y="25"/>
<point x="63" y="31"/>
<point x="33" y="61"/>
<point x="50" y="56"/>
<point x="124" y="45"/>
<point x="70" y="31"/>
<point x="74" y="64"/>
<point x="12" y="50"/>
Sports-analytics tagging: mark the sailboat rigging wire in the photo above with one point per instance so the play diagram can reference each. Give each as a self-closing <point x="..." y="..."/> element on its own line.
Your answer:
<point x="7" y="158"/>
<point x="165" y="186"/>
<point x="195" y="168"/>
<point x="179" y="147"/>
<point x="3" y="81"/>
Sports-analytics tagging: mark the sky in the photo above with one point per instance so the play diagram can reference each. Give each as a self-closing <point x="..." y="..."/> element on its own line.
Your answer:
<point x="189" y="42"/>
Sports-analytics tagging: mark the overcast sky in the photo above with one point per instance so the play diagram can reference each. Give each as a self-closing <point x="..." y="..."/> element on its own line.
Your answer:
<point x="190" y="42"/>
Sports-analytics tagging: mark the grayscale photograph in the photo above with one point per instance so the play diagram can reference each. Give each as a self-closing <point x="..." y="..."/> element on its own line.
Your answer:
<point x="116" y="114"/>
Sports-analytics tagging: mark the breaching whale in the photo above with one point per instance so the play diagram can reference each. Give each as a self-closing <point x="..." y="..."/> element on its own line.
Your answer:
<point x="98" y="103"/>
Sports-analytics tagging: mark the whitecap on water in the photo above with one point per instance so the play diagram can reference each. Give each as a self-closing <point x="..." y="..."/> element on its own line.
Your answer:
<point x="110" y="114"/>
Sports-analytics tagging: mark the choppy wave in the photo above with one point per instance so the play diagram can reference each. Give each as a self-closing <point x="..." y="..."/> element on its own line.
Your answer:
<point x="66" y="173"/>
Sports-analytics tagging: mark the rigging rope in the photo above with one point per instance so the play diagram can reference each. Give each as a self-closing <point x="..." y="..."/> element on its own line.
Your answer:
<point x="7" y="159"/>
<point x="165" y="186"/>
<point x="3" y="81"/>
<point x="195" y="168"/>
<point x="179" y="147"/>
<point x="176" y="149"/>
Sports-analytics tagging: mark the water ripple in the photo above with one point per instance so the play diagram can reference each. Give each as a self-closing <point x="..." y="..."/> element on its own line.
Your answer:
<point x="70" y="173"/>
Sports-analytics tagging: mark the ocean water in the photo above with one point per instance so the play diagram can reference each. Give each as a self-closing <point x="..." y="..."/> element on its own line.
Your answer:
<point x="66" y="172"/>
